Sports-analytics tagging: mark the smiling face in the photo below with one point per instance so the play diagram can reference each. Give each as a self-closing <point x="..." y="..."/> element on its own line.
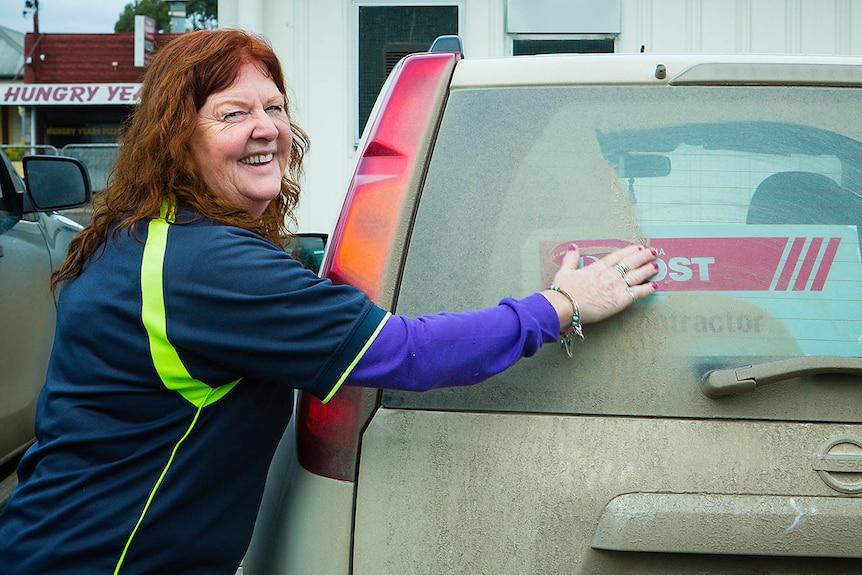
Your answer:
<point x="242" y="142"/>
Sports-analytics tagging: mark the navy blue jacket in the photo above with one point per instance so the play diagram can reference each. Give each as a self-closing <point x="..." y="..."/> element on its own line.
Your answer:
<point x="125" y="467"/>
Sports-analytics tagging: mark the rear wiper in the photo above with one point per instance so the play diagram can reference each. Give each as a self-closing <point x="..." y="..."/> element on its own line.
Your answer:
<point x="745" y="379"/>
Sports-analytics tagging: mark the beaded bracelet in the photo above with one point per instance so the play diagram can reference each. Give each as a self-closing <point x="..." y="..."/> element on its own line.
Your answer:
<point x="566" y="337"/>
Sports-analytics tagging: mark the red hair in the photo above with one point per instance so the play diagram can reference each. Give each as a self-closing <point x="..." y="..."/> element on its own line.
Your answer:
<point x="155" y="161"/>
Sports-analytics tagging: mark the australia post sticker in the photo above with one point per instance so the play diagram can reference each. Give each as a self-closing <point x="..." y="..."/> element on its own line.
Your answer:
<point x="807" y="278"/>
<point x="748" y="258"/>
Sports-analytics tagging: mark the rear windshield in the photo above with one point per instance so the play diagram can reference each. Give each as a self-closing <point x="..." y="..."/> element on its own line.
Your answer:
<point x="751" y="195"/>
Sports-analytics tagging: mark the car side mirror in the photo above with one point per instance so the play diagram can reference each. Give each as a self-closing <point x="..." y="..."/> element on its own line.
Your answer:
<point x="307" y="249"/>
<point x="56" y="182"/>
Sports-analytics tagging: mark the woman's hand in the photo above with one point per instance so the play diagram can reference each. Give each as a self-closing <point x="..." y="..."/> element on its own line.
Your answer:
<point x="605" y="287"/>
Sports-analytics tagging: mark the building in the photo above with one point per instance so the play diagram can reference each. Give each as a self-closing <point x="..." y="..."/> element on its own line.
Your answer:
<point x="11" y="66"/>
<point x="336" y="53"/>
<point x="73" y="91"/>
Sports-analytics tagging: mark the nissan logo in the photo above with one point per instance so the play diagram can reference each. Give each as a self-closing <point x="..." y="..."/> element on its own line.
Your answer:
<point x="839" y="463"/>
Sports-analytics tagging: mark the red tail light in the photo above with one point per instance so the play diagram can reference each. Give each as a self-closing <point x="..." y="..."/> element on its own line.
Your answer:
<point x="327" y="435"/>
<point x="360" y="246"/>
<point x="358" y="253"/>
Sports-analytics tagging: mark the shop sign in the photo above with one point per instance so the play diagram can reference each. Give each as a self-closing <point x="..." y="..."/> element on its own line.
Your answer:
<point x="69" y="94"/>
<point x="145" y="38"/>
<point x="83" y="131"/>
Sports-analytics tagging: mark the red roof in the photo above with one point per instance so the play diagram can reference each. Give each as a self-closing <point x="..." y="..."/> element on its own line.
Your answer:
<point x="83" y="58"/>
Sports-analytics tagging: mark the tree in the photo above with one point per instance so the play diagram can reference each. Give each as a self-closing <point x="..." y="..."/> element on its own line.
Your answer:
<point x="201" y="14"/>
<point x="155" y="9"/>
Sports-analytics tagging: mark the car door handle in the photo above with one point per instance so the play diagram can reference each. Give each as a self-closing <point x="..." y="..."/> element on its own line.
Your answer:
<point x="731" y="525"/>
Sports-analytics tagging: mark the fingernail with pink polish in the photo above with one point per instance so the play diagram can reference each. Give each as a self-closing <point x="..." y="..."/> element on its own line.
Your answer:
<point x="654" y="285"/>
<point x="572" y="247"/>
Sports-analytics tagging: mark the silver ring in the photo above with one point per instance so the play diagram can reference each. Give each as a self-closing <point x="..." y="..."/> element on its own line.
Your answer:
<point x="628" y="281"/>
<point x="631" y="293"/>
<point x="622" y="268"/>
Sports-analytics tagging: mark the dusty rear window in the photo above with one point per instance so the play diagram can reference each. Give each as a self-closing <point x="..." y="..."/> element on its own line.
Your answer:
<point x="751" y="196"/>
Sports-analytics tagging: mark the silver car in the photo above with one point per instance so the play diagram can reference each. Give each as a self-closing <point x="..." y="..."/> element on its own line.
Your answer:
<point x="715" y="427"/>
<point x="33" y="242"/>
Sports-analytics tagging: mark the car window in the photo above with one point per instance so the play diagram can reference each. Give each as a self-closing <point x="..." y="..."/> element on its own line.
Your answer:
<point x="751" y="195"/>
<point x="11" y="185"/>
<point x="16" y="181"/>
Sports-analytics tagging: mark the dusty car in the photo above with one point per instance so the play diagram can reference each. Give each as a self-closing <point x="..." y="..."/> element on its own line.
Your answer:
<point x="33" y="242"/>
<point x="714" y="427"/>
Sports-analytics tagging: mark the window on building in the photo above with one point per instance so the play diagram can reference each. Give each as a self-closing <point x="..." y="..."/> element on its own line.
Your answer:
<point x="388" y="33"/>
<point x="63" y="125"/>
<point x="524" y="46"/>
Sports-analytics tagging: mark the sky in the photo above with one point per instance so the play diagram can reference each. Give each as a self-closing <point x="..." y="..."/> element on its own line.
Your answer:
<point x="64" y="16"/>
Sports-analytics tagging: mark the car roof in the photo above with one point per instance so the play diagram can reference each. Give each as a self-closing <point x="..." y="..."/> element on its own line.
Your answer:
<point x="655" y="68"/>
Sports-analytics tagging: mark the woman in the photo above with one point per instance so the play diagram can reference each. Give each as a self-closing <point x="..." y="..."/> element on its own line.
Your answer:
<point x="183" y="330"/>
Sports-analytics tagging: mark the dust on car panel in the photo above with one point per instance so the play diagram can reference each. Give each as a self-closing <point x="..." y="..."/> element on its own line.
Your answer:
<point x="655" y="448"/>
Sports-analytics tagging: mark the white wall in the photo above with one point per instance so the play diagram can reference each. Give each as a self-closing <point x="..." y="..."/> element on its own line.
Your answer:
<point x="759" y="26"/>
<point x="315" y="40"/>
<point x="311" y="38"/>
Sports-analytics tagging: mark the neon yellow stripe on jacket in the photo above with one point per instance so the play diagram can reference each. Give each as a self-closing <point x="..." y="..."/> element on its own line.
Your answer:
<point x="167" y="362"/>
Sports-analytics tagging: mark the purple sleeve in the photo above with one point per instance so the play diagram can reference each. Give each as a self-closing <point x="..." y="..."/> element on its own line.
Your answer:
<point x="452" y="349"/>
